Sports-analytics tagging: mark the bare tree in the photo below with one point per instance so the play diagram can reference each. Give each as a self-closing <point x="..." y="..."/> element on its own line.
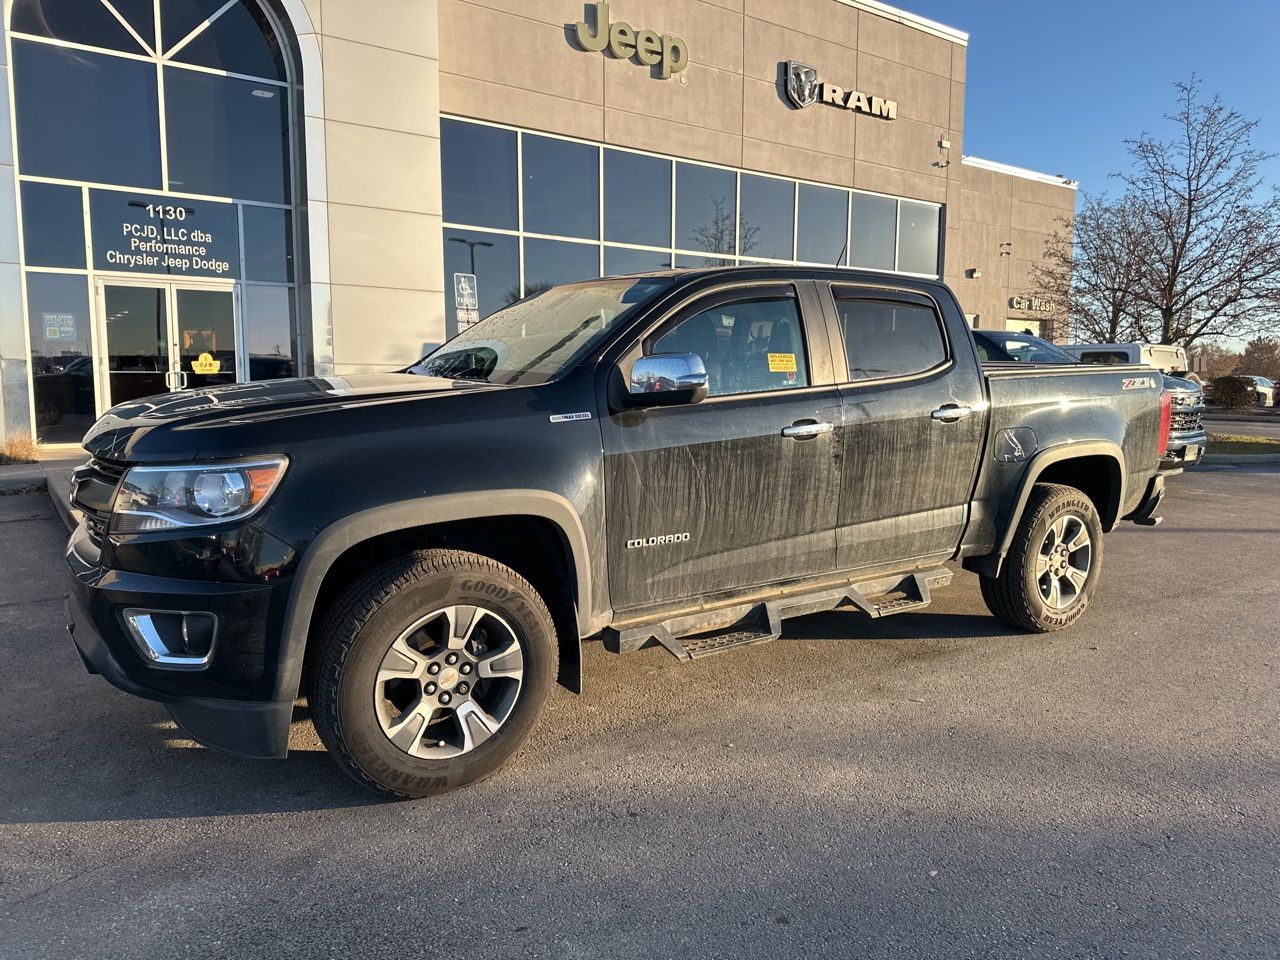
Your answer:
<point x="1211" y="259"/>
<point x="1090" y="270"/>
<point x="1213" y="361"/>
<point x="717" y="234"/>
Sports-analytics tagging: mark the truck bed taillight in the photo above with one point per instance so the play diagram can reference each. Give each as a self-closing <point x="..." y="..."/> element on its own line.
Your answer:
<point x="1166" y="421"/>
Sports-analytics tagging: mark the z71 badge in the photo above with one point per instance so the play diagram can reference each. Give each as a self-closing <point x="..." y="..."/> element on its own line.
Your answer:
<point x="1138" y="383"/>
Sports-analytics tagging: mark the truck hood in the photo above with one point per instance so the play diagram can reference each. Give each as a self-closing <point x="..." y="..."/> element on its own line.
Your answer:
<point x="123" y="426"/>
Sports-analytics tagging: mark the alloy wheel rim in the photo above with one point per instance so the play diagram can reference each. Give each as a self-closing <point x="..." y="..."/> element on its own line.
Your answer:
<point x="1064" y="561"/>
<point x="448" y="682"/>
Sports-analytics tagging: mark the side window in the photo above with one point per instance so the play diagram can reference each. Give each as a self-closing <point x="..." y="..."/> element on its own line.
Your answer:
<point x="751" y="346"/>
<point x="1108" y="357"/>
<point x="887" y="338"/>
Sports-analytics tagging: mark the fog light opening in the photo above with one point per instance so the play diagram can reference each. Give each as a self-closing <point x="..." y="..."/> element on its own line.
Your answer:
<point x="173" y="639"/>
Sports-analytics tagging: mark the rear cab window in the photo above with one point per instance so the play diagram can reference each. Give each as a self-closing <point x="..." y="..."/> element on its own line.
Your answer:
<point x="889" y="336"/>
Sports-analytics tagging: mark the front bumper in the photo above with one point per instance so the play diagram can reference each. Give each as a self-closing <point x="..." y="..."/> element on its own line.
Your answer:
<point x="232" y="705"/>
<point x="1185" y="450"/>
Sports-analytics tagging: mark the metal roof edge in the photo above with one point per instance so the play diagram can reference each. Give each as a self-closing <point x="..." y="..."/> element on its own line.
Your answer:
<point x="1009" y="169"/>
<point x="910" y="19"/>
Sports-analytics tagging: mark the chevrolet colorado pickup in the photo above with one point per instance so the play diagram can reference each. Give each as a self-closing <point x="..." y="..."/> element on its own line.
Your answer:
<point x="682" y="458"/>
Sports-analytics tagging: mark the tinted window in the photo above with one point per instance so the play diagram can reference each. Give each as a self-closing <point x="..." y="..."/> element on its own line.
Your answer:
<point x="748" y="347"/>
<point x="705" y="209"/>
<point x="917" y="238"/>
<point x="1104" y="356"/>
<point x="268" y="324"/>
<point x="497" y="269"/>
<point x="561" y="187"/>
<point x="268" y="243"/>
<point x="239" y="41"/>
<point x="180" y="17"/>
<point x="765" y="227"/>
<point x="52" y="225"/>
<point x="478" y="173"/>
<point x="61" y="356"/>
<point x="1018" y="347"/>
<point x="226" y="137"/>
<point x="886" y="338"/>
<point x="622" y="260"/>
<point x="551" y="262"/>
<point x="874" y="229"/>
<point x="86" y="116"/>
<point x="637" y="199"/>
<point x="87" y="22"/>
<point x="822" y="235"/>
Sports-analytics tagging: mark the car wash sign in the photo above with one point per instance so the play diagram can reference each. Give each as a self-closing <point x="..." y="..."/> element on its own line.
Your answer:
<point x="804" y="88"/>
<point x="668" y="54"/>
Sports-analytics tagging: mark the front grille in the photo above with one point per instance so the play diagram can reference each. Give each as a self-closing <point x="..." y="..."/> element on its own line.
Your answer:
<point x="93" y="491"/>
<point x="1185" y="422"/>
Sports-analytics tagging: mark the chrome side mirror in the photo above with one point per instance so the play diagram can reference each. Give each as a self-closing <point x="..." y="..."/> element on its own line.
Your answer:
<point x="666" y="380"/>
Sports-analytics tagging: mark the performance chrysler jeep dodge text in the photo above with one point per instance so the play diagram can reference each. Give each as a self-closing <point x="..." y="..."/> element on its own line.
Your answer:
<point x="682" y="459"/>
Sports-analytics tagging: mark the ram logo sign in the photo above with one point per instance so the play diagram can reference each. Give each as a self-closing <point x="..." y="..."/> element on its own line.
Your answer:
<point x="804" y="88"/>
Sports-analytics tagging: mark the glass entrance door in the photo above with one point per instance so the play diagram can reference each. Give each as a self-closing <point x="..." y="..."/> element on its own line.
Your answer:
<point x="167" y="336"/>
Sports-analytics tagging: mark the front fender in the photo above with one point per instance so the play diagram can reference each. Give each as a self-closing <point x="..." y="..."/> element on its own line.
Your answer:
<point x="343" y="534"/>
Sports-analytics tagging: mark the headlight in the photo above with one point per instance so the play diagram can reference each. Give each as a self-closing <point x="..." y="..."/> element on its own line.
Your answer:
<point x="168" y="498"/>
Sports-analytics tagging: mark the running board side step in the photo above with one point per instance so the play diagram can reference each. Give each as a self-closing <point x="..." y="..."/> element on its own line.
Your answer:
<point x="716" y="630"/>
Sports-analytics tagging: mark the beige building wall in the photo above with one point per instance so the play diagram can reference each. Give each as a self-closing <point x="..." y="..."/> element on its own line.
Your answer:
<point x="514" y="61"/>
<point x="372" y="211"/>
<point x="997" y="226"/>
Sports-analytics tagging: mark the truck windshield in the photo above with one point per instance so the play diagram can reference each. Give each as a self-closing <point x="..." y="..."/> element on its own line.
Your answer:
<point x="539" y="338"/>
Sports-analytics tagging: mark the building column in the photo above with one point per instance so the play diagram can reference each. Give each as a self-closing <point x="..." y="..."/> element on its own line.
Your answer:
<point x="15" y="387"/>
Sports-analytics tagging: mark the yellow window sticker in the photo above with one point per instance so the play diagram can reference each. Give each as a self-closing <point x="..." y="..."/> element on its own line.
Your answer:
<point x="206" y="364"/>
<point x="782" y="363"/>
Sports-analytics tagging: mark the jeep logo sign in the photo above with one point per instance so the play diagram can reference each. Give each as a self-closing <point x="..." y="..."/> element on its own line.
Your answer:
<point x="669" y="54"/>
<point x="804" y="88"/>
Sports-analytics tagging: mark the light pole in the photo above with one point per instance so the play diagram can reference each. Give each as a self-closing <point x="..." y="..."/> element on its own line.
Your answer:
<point x="471" y="248"/>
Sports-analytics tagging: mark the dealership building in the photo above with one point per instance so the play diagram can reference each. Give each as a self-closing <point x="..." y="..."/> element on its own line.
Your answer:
<point x="209" y="191"/>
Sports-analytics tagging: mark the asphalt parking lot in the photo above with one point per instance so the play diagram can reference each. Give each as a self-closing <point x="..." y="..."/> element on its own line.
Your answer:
<point x="929" y="785"/>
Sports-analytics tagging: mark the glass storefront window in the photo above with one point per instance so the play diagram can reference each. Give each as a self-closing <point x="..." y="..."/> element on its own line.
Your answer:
<point x="620" y="260"/>
<point x="637" y="199"/>
<point x="478" y="170"/>
<point x="86" y="116"/>
<point x="548" y="262"/>
<point x="87" y="22"/>
<point x="268" y="243"/>
<point x="270" y="335"/>
<point x="822" y="234"/>
<point x="705" y="209"/>
<point x="239" y="41"/>
<point x="61" y="356"/>
<point x="917" y="237"/>
<point x="53" y="225"/>
<point x="226" y="137"/>
<point x="692" y="261"/>
<point x="561" y="187"/>
<point x="766" y="222"/>
<point x="183" y="16"/>
<point x="873" y="232"/>
<point x="496" y="259"/>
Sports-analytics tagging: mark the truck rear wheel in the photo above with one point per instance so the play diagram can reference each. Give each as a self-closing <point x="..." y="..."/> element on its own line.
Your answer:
<point x="1053" y="562"/>
<point x="431" y="671"/>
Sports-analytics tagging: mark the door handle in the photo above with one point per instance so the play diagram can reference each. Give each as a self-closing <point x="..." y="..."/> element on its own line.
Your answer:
<point x="951" y="412"/>
<point x="806" y="430"/>
<point x="182" y="379"/>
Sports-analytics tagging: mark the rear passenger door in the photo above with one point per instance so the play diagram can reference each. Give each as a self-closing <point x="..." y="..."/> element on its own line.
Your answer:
<point x="741" y="489"/>
<point x="914" y="417"/>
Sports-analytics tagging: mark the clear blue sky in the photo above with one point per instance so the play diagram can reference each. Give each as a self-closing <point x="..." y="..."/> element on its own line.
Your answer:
<point x="1058" y="87"/>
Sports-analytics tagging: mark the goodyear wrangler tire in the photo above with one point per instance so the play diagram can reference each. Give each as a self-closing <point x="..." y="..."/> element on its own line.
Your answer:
<point x="1053" y="563"/>
<point x="431" y="671"/>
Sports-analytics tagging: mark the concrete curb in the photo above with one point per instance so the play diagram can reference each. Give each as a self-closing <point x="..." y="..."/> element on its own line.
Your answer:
<point x="1240" y="458"/>
<point x="21" y="478"/>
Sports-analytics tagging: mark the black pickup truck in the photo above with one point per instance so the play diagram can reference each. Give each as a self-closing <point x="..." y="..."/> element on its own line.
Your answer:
<point x="682" y="458"/>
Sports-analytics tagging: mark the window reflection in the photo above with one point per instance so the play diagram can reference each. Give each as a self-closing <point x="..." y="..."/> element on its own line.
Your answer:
<point x="705" y="209"/>
<point x="561" y="187"/>
<point x="268" y="243"/>
<point x="874" y="229"/>
<point x="61" y="356"/>
<point x="637" y="199"/>
<point x="87" y="22"/>
<point x="496" y="258"/>
<point x="549" y="262"/>
<point x="270" y="334"/>
<point x="241" y="40"/>
<point x="767" y="217"/>
<point x="478" y="169"/>
<point x="226" y="137"/>
<point x="52" y="225"/>
<point x="620" y="260"/>
<point x="86" y="116"/>
<point x="822" y="234"/>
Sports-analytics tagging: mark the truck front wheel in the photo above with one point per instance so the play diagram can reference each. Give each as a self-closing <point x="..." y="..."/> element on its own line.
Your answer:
<point x="1052" y="565"/>
<point x="431" y="672"/>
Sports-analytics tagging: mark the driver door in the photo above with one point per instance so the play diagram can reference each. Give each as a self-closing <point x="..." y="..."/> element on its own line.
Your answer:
<point x="742" y="489"/>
